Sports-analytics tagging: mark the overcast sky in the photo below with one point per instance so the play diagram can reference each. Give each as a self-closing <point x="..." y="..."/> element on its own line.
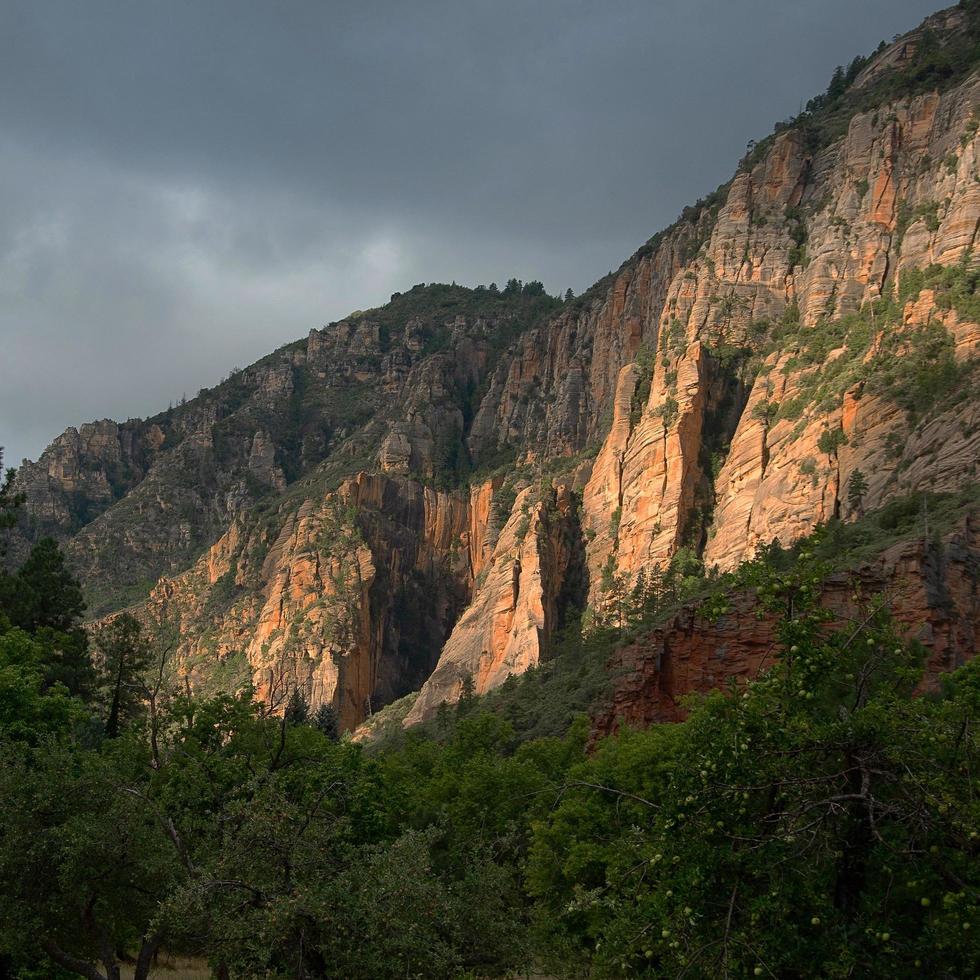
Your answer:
<point x="184" y="186"/>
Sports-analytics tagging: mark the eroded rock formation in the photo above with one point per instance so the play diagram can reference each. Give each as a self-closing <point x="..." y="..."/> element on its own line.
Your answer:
<point x="517" y="603"/>
<point x="329" y="517"/>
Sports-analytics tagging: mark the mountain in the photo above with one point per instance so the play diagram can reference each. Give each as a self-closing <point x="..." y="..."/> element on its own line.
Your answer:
<point x="418" y="498"/>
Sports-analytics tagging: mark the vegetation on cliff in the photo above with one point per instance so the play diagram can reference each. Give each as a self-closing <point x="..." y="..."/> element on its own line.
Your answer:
<point x="929" y="61"/>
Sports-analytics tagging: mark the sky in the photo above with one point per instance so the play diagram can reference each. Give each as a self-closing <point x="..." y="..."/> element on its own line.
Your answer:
<point x="185" y="185"/>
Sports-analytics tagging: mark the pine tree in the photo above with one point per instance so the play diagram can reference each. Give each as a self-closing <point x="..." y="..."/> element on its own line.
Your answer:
<point x="9" y="500"/>
<point x="838" y="84"/>
<point x="48" y="594"/>
<point x="124" y="656"/>
<point x="467" y="696"/>
<point x="44" y="599"/>
<point x="297" y="710"/>
<point x="857" y="487"/>
<point x="325" y="720"/>
<point x="443" y="721"/>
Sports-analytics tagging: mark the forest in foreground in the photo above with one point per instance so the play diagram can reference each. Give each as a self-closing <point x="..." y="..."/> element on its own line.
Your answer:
<point x="820" y="820"/>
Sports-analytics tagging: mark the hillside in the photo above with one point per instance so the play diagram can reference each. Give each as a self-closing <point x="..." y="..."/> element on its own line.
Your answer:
<point x="421" y="497"/>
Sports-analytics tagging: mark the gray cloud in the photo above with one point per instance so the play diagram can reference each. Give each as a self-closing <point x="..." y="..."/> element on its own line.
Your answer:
<point x="184" y="186"/>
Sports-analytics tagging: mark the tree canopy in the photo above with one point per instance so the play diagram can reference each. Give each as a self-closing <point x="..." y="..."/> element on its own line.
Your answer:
<point x="819" y="820"/>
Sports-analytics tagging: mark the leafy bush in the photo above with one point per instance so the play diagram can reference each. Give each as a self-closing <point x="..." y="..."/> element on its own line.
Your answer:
<point x="681" y="849"/>
<point x="503" y="502"/>
<point x="831" y="440"/>
<point x="668" y="410"/>
<point x="645" y="358"/>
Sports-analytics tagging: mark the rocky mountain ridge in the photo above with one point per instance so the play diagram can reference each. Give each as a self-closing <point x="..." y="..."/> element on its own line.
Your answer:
<point x="415" y="497"/>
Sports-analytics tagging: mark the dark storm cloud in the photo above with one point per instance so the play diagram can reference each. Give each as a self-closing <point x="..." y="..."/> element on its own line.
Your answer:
<point x="186" y="185"/>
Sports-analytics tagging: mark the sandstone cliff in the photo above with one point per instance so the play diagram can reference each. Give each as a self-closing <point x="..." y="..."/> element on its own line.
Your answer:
<point x="415" y="496"/>
<point x="774" y="480"/>
<point x="519" y="601"/>
<point x="391" y="389"/>
<point x="350" y="600"/>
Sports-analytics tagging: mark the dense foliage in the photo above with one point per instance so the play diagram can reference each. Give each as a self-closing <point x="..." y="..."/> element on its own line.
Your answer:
<point x="821" y="820"/>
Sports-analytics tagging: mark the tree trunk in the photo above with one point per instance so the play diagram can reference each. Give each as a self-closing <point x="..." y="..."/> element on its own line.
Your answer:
<point x="69" y="962"/>
<point x="148" y="950"/>
<point x="856" y="846"/>
<point x="112" y="724"/>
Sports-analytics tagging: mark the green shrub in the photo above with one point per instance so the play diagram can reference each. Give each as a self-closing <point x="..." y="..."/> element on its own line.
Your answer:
<point x="668" y="410"/>
<point x="831" y="440"/>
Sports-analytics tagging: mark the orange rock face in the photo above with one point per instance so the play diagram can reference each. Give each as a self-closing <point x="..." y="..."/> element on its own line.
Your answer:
<point x="660" y="466"/>
<point x="350" y="602"/>
<point x="508" y="625"/>
<point x="293" y="511"/>
<point x="695" y="453"/>
<point x="603" y="494"/>
<point x="773" y="481"/>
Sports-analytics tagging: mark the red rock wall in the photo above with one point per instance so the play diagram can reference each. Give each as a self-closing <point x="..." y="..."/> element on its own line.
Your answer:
<point x="933" y="593"/>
